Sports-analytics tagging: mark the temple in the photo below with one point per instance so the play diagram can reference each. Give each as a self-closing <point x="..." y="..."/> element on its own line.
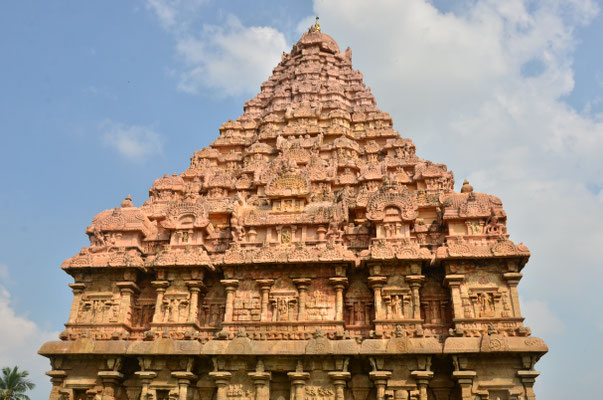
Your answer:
<point x="307" y="254"/>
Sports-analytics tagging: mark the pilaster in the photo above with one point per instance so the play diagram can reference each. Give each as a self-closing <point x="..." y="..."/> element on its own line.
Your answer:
<point x="184" y="380"/>
<point x="513" y="279"/>
<point x="377" y="283"/>
<point x="415" y="282"/>
<point x="302" y="287"/>
<point x="230" y="286"/>
<point x="298" y="383"/>
<point x="380" y="379"/>
<point x="77" y="289"/>
<point x="221" y="379"/>
<point x="265" y="285"/>
<point x="465" y="381"/>
<point x="194" y="287"/>
<point x="528" y="378"/>
<point x="339" y="284"/>
<point x="160" y="288"/>
<point x="339" y="379"/>
<point x="422" y="378"/>
<point x="126" y="289"/>
<point x="454" y="282"/>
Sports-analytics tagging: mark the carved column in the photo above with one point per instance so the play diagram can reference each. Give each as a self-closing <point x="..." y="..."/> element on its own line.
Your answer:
<point x="160" y="287"/>
<point x="298" y="384"/>
<point x="379" y="379"/>
<point x="302" y="286"/>
<point x="339" y="284"/>
<point x="77" y="289"/>
<point x="221" y="379"/>
<point x="184" y="380"/>
<point x="377" y="283"/>
<point x="261" y="380"/>
<point x="264" y="285"/>
<point x="422" y="378"/>
<point x="146" y="377"/>
<point x="56" y="378"/>
<point x="454" y="282"/>
<point x="512" y="279"/>
<point x="230" y="285"/>
<point x="528" y="378"/>
<point x="339" y="379"/>
<point x="415" y="282"/>
<point x="126" y="289"/>
<point x="465" y="381"/>
<point x="109" y="379"/>
<point x="194" y="288"/>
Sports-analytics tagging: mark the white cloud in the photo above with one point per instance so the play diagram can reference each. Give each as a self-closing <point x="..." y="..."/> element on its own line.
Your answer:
<point x="136" y="143"/>
<point x="20" y="339"/>
<point x="231" y="59"/>
<point x="174" y="15"/>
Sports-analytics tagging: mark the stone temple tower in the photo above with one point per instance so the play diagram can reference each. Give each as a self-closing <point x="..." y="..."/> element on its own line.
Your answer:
<point x="309" y="254"/>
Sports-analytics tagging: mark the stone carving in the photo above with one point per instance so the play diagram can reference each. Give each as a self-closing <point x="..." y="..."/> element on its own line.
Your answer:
<point x="283" y="298"/>
<point x="247" y="302"/>
<point x="97" y="308"/>
<point x="305" y="246"/>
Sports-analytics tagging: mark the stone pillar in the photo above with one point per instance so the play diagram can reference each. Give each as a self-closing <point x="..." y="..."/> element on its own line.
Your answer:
<point x="422" y="378"/>
<point x="230" y="285"/>
<point x="194" y="288"/>
<point x="77" y="289"/>
<point x="146" y="377"/>
<point x="126" y="289"/>
<point x="56" y="378"/>
<point x="379" y="379"/>
<point x="298" y="384"/>
<point x="160" y="287"/>
<point x="221" y="379"/>
<point x="528" y="378"/>
<point x="264" y="285"/>
<point x="512" y="279"/>
<point x="302" y="286"/>
<point x="377" y="283"/>
<point x="184" y="380"/>
<point x="415" y="282"/>
<point x="261" y="380"/>
<point x="454" y="282"/>
<point x="109" y="379"/>
<point x="339" y="379"/>
<point x="465" y="381"/>
<point x="339" y="284"/>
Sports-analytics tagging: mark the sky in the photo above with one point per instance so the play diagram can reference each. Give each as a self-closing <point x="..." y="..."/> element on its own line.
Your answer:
<point x="98" y="99"/>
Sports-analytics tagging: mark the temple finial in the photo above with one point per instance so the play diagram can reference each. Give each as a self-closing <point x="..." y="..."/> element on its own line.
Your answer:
<point x="317" y="25"/>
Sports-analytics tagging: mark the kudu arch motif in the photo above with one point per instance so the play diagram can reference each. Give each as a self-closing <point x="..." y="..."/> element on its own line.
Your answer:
<point x="308" y="253"/>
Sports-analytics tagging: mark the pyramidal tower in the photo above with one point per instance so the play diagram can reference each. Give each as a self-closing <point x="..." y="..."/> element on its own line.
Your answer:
<point x="307" y="254"/>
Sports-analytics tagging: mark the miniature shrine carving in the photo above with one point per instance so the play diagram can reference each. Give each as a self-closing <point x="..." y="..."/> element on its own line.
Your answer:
<point x="308" y="253"/>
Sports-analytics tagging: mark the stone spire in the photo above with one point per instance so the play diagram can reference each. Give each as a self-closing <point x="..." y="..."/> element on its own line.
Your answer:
<point x="309" y="221"/>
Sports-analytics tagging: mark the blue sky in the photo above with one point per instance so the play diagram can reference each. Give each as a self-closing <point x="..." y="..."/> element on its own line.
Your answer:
<point x="98" y="99"/>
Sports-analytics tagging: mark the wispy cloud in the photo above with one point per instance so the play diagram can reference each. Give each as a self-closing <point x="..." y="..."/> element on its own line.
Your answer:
<point x="174" y="15"/>
<point x="228" y="59"/>
<point x="231" y="59"/>
<point x="135" y="143"/>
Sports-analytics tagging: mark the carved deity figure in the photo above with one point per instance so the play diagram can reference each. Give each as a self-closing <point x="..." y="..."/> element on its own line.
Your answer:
<point x="494" y="227"/>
